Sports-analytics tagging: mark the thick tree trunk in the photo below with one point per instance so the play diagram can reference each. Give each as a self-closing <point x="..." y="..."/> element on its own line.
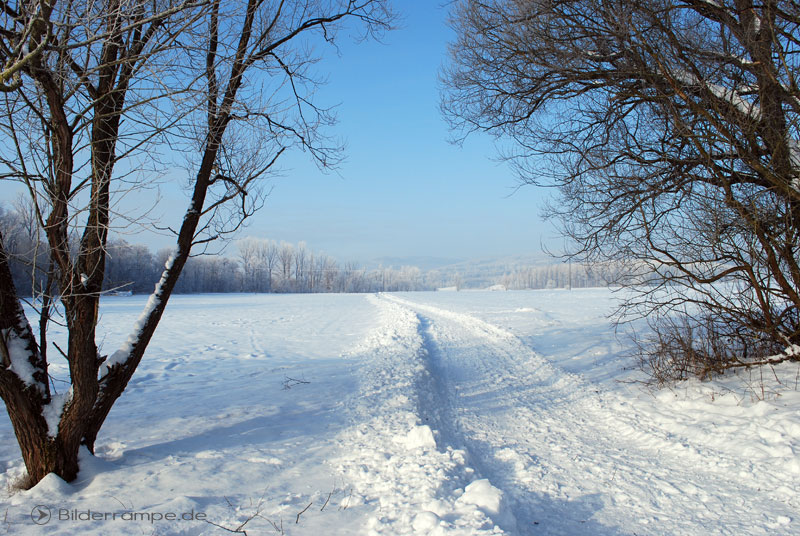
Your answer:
<point x="41" y="453"/>
<point x="26" y="394"/>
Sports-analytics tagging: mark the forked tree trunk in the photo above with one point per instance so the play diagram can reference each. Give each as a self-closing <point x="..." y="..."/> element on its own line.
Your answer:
<point x="27" y="395"/>
<point x="91" y="398"/>
<point x="24" y="387"/>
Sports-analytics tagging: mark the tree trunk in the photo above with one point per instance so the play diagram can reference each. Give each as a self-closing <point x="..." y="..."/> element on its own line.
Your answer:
<point x="42" y="454"/>
<point x="26" y="396"/>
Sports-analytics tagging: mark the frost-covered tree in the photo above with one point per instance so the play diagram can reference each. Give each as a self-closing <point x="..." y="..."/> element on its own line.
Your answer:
<point x="672" y="130"/>
<point x="88" y="86"/>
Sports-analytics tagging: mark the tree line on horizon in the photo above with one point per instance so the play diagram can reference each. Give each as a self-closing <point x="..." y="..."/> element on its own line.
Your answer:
<point x="268" y="266"/>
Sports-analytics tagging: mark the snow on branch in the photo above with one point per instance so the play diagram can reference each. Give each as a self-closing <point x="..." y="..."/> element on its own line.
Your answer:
<point x="121" y="356"/>
<point x="734" y="98"/>
<point x="53" y="410"/>
<point x="18" y="356"/>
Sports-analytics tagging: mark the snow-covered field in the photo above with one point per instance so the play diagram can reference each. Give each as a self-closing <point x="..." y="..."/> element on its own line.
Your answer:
<point x="421" y="413"/>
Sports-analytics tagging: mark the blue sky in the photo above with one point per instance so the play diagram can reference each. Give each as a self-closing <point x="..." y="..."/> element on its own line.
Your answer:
<point x="403" y="189"/>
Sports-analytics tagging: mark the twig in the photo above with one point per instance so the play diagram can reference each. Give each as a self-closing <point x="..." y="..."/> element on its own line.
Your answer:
<point x="278" y="528"/>
<point x="774" y="360"/>
<point x="775" y="374"/>
<point x="296" y="521"/>
<point x="348" y="501"/>
<point x="126" y="507"/>
<point x="60" y="351"/>
<point x="288" y="383"/>
<point x="238" y="530"/>
<point x="329" y="497"/>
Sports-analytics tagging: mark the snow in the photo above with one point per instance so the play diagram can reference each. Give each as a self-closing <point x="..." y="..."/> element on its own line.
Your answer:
<point x="420" y="437"/>
<point x="53" y="410"/>
<point x="19" y="356"/>
<point x="489" y="499"/>
<point x="756" y="23"/>
<point x="747" y="107"/>
<point x="456" y="413"/>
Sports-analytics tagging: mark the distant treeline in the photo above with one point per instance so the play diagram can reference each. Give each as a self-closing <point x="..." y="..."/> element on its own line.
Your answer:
<point x="562" y="275"/>
<point x="262" y="265"/>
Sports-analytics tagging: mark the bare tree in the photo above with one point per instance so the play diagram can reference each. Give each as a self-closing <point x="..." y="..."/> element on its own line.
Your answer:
<point x="268" y="256"/>
<point x="670" y="128"/>
<point x="300" y="268"/>
<point x="328" y="271"/>
<point x="89" y="86"/>
<point x="285" y="262"/>
<point x="248" y="259"/>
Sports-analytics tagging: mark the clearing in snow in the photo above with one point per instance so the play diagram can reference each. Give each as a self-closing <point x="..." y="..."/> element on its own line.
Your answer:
<point x="420" y="413"/>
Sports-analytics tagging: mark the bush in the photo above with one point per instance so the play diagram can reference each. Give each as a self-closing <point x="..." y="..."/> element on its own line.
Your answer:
<point x="683" y="346"/>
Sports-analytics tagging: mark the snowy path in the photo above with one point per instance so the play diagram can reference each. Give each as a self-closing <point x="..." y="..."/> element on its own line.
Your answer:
<point x="567" y="457"/>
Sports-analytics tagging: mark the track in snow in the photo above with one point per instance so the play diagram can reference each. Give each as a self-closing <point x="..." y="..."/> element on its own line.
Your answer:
<point x="570" y="458"/>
